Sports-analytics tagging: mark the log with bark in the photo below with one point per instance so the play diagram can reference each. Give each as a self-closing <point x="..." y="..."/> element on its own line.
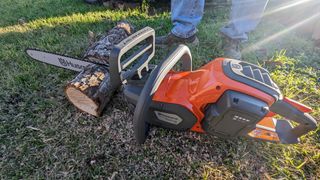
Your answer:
<point x="91" y="90"/>
<point x="99" y="51"/>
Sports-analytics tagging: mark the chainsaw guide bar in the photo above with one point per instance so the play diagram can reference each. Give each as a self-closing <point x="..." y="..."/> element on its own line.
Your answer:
<point x="58" y="60"/>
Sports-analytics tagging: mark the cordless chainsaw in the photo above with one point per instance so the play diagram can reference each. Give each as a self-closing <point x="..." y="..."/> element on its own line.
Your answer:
<point x="226" y="97"/>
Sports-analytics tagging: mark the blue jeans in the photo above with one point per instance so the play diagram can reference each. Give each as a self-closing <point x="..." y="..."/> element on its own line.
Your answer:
<point x="244" y="17"/>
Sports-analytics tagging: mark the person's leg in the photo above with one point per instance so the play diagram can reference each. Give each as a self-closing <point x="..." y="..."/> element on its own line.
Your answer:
<point x="185" y="16"/>
<point x="316" y="33"/>
<point x="244" y="18"/>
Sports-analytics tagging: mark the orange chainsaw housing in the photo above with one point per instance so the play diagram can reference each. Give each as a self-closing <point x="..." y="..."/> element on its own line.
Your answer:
<point x="195" y="89"/>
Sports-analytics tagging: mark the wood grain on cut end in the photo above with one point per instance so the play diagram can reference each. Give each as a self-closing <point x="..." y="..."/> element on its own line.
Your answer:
<point x="81" y="101"/>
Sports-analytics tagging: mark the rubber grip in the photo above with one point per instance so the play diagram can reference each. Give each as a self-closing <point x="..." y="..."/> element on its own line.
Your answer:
<point x="306" y="121"/>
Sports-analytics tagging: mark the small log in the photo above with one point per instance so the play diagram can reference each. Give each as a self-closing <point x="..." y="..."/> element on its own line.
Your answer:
<point x="99" y="51"/>
<point x="91" y="90"/>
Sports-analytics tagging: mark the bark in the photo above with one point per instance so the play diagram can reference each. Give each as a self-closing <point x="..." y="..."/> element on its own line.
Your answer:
<point x="99" y="51"/>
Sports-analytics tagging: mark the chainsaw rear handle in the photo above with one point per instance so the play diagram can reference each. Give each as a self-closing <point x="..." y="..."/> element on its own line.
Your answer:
<point x="289" y="111"/>
<point x="143" y="55"/>
<point x="142" y="111"/>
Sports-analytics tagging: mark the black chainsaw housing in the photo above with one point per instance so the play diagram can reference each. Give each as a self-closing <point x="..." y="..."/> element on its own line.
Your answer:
<point x="233" y="114"/>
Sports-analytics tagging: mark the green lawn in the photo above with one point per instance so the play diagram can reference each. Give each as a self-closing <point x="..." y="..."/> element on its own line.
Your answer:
<point x="43" y="136"/>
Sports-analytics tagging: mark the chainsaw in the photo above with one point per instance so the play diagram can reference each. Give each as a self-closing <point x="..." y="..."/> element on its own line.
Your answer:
<point x="226" y="97"/>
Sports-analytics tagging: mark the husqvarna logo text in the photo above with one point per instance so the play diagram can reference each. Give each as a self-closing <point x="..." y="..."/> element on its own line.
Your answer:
<point x="67" y="63"/>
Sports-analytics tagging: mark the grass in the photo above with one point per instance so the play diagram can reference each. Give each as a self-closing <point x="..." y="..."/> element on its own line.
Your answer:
<point x="43" y="136"/>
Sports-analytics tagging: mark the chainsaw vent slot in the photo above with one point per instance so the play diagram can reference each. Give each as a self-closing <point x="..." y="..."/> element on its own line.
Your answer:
<point x="247" y="70"/>
<point x="259" y="74"/>
<point x="251" y="75"/>
<point x="267" y="79"/>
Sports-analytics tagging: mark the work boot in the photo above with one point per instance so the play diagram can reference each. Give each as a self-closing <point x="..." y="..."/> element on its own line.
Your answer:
<point x="231" y="48"/>
<point x="171" y="39"/>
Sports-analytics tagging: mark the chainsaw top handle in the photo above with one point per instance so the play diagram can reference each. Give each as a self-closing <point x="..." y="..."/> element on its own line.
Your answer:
<point x="142" y="111"/>
<point x="120" y="70"/>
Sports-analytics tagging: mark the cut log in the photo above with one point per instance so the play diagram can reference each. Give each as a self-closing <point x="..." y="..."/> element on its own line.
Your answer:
<point x="99" y="51"/>
<point x="91" y="90"/>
